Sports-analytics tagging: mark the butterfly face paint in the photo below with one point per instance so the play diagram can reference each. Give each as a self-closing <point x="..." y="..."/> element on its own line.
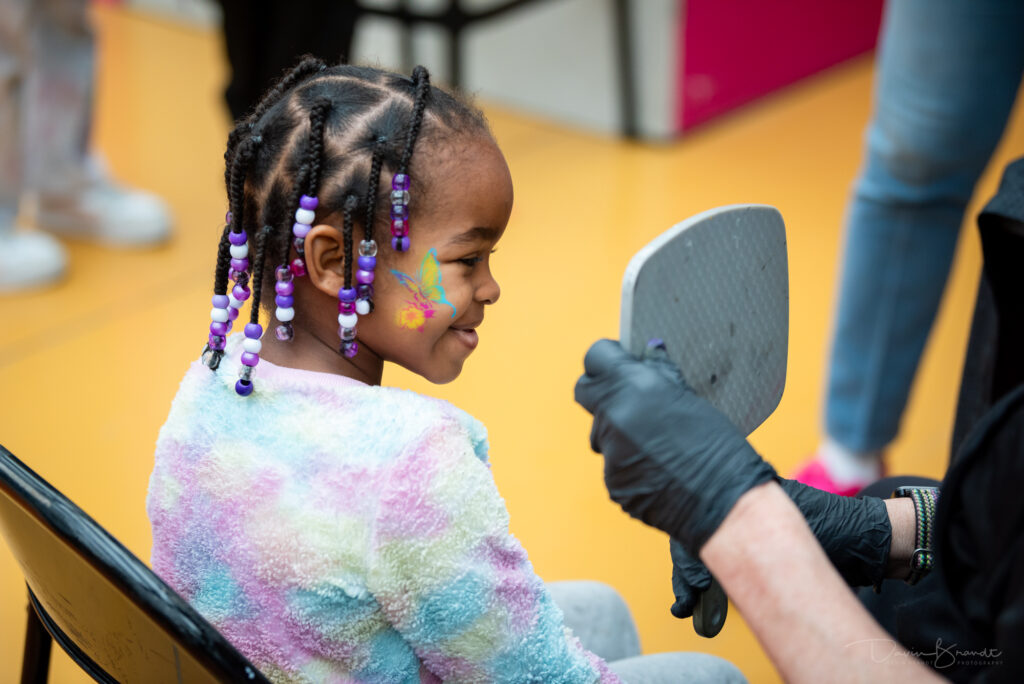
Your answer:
<point x="424" y="294"/>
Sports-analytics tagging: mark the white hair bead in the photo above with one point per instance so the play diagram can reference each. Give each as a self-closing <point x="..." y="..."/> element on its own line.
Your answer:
<point x="239" y="251"/>
<point x="284" y="314"/>
<point x="347" y="320"/>
<point x="362" y="306"/>
<point x="305" y="216"/>
<point x="219" y="315"/>
<point x="234" y="303"/>
<point x="252" y="346"/>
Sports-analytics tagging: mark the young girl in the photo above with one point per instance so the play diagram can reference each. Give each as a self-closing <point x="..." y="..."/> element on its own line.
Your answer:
<point x="331" y="528"/>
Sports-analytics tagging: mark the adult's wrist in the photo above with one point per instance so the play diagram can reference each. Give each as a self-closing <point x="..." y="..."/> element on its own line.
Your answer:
<point x="904" y="524"/>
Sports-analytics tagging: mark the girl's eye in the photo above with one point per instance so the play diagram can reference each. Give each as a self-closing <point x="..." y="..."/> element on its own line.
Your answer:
<point x="471" y="261"/>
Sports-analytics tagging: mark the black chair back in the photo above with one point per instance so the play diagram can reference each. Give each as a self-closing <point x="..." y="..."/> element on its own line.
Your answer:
<point x="101" y="604"/>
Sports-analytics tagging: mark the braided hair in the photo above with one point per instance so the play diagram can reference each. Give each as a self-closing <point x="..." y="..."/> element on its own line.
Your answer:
<point x="314" y="148"/>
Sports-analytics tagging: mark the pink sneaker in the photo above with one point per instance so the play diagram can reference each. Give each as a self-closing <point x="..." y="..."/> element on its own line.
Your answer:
<point x="814" y="474"/>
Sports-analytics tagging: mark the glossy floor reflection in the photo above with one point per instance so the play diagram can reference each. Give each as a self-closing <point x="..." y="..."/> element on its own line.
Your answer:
<point x="88" y="368"/>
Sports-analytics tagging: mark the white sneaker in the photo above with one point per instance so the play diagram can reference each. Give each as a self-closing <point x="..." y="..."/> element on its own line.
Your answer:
<point x="107" y="213"/>
<point x="29" y="259"/>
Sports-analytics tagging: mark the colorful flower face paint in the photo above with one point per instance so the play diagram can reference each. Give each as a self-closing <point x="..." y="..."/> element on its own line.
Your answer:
<point x="426" y="292"/>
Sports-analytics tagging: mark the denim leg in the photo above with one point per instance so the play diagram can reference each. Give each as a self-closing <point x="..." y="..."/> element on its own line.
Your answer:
<point x="947" y="75"/>
<point x="14" y="22"/>
<point x="57" y="102"/>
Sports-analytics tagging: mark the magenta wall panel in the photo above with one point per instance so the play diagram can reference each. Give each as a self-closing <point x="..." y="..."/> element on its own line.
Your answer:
<point x="736" y="50"/>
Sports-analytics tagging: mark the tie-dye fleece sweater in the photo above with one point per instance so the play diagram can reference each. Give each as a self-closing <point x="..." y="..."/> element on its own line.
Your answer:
<point x="340" y="532"/>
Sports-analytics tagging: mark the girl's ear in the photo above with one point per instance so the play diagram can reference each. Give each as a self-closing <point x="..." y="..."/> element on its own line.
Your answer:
<point x="325" y="259"/>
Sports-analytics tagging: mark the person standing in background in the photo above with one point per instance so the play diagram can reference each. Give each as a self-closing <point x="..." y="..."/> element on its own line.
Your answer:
<point x="48" y="181"/>
<point x="948" y="74"/>
<point x="265" y="38"/>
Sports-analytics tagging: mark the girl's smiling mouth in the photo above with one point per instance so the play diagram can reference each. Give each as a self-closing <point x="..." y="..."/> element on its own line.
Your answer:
<point x="466" y="334"/>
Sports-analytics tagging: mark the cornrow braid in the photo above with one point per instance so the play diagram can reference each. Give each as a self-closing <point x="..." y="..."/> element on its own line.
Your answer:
<point x="309" y="177"/>
<point x="421" y="79"/>
<point x="315" y="149"/>
<point x="253" y="330"/>
<point x="351" y="202"/>
<point x="309" y="66"/>
<point x="236" y="180"/>
<point x="371" y="187"/>
<point x="214" y="349"/>
<point x="401" y="182"/>
<point x="220" y="274"/>
<point x="232" y="259"/>
<point x="347" y="316"/>
<point x="368" y="246"/>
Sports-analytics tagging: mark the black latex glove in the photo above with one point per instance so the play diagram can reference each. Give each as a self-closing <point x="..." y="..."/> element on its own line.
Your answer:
<point x="671" y="459"/>
<point x="689" y="578"/>
<point x="855" y="534"/>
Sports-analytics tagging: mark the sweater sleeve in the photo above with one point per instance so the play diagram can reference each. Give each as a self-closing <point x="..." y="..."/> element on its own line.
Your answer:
<point x="454" y="582"/>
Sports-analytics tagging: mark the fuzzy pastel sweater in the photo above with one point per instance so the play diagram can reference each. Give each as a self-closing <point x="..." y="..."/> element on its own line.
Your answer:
<point x="340" y="532"/>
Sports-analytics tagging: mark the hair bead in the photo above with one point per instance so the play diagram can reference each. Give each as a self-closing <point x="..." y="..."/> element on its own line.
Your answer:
<point x="400" y="182"/>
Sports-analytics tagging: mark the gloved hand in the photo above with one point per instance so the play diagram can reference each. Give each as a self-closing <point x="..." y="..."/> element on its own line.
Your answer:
<point x="690" y="577"/>
<point x="671" y="459"/>
<point x="855" y="534"/>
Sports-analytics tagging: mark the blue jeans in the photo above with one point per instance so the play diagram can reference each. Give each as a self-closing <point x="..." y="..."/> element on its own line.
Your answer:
<point x="46" y="85"/>
<point x="947" y="75"/>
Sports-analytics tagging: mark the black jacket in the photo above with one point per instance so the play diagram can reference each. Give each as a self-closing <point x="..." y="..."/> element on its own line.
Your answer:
<point x="969" y="623"/>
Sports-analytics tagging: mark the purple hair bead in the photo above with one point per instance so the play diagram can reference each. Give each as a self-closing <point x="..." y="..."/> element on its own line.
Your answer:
<point x="399" y="211"/>
<point x="364" y="277"/>
<point x="347" y="294"/>
<point x="400" y="181"/>
<point x="243" y="388"/>
<point x="218" y="328"/>
<point x="284" y="301"/>
<point x="253" y="331"/>
<point x="227" y="217"/>
<point x="300" y="230"/>
<point x="284" y="287"/>
<point x="400" y="244"/>
<point x="217" y="342"/>
<point x="240" y="264"/>
<point x="307" y="202"/>
<point x="367" y="263"/>
<point x="232" y="313"/>
<point x="283" y="274"/>
<point x="220" y="301"/>
<point x="350" y="349"/>
<point x="250" y="359"/>
<point x="346" y="307"/>
<point x="365" y="291"/>
<point x="241" y="292"/>
<point x="238" y="238"/>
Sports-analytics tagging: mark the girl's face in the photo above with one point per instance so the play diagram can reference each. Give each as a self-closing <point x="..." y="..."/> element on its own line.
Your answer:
<point x="429" y="301"/>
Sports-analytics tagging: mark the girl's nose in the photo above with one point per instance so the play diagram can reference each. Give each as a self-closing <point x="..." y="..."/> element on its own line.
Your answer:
<point x="490" y="291"/>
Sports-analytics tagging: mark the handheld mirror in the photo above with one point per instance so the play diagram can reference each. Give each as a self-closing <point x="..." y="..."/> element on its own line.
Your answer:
<point x="715" y="289"/>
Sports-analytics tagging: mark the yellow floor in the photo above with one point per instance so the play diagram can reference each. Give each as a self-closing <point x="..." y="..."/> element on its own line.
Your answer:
<point x="88" y="368"/>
